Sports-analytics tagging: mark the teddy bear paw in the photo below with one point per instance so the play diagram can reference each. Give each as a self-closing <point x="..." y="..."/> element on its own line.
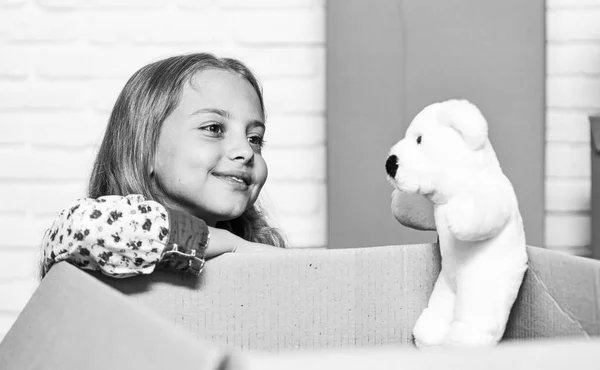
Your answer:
<point x="430" y="330"/>
<point x="462" y="334"/>
<point x="460" y="217"/>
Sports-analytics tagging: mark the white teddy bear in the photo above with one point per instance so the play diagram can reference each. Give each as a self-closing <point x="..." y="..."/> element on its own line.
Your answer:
<point x="446" y="157"/>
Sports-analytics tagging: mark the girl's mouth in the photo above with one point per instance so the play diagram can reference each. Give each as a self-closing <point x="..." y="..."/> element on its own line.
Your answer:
<point x="235" y="181"/>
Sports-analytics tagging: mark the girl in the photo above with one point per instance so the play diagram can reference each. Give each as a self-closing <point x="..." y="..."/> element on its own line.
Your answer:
<point x="177" y="176"/>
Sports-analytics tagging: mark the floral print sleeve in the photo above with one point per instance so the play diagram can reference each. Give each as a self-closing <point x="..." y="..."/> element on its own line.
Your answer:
<point x="121" y="236"/>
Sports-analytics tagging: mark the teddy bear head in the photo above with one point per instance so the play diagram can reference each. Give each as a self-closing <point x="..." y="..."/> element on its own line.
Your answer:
<point x="444" y="144"/>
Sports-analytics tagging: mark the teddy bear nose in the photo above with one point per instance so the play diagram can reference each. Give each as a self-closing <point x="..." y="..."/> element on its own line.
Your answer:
<point x="391" y="165"/>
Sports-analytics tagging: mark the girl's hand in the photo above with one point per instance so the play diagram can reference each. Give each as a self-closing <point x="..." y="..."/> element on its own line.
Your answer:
<point x="250" y="247"/>
<point x="222" y="241"/>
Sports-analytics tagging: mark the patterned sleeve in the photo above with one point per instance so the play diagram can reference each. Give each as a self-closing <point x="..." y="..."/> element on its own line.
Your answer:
<point x="121" y="236"/>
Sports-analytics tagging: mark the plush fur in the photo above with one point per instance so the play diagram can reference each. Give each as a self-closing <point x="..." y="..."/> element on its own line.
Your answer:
<point x="448" y="178"/>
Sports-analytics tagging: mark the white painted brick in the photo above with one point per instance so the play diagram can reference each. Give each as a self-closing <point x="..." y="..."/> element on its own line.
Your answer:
<point x="573" y="24"/>
<point x="568" y="160"/>
<point x="298" y="26"/>
<point x="15" y="62"/>
<point x="23" y="232"/>
<point x="296" y="164"/>
<point x="301" y="95"/>
<point x="573" y="92"/>
<point x="99" y="61"/>
<point x="304" y="198"/>
<point x="272" y="3"/>
<point x="568" y="195"/>
<point x="63" y="96"/>
<point x="52" y="128"/>
<point x="281" y="62"/>
<point x="154" y="28"/>
<point x="567" y="126"/>
<point x="105" y="94"/>
<point x="573" y="59"/>
<point x="101" y="4"/>
<point x="63" y="194"/>
<point x="39" y="198"/>
<point x="16" y="294"/>
<point x="92" y="62"/>
<point x="11" y="3"/>
<point x="18" y="265"/>
<point x="551" y="4"/>
<point x="305" y="232"/>
<point x="6" y="322"/>
<point x="194" y="4"/>
<point x="573" y="86"/>
<point x="65" y="129"/>
<point x="46" y="164"/>
<point x="26" y="26"/>
<point x="567" y="230"/>
<point x="287" y="131"/>
<point x="10" y="131"/>
<point x="13" y="198"/>
<point x="181" y="29"/>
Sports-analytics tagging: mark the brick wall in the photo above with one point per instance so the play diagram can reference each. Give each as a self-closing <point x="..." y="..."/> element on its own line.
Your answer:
<point x="573" y="93"/>
<point x="62" y="64"/>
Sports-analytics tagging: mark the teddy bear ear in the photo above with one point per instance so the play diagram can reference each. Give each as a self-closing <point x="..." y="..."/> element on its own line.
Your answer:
<point x="467" y="119"/>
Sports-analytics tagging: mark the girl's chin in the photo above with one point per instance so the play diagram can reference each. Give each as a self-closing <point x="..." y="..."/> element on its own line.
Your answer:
<point x="228" y="214"/>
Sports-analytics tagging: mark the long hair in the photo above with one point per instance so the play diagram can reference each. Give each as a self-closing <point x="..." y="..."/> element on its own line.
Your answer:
<point x="127" y="152"/>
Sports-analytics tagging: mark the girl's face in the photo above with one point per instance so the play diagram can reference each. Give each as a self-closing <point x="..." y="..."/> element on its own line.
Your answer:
<point x="208" y="161"/>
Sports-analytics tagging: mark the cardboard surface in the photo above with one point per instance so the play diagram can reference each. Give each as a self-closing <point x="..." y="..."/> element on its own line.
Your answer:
<point x="73" y="321"/>
<point x="315" y="299"/>
<point x="560" y="297"/>
<point x="297" y="299"/>
<point x="546" y="355"/>
<point x="296" y="310"/>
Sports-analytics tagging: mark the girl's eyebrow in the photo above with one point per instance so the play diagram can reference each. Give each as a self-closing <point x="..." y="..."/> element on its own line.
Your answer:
<point x="220" y="112"/>
<point x="256" y="123"/>
<point x="225" y="114"/>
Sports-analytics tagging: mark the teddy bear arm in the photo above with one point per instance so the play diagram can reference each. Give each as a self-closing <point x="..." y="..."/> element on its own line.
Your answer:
<point x="494" y="218"/>
<point x="475" y="217"/>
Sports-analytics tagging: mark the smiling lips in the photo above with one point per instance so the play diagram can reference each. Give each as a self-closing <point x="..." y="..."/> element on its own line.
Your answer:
<point x="239" y="180"/>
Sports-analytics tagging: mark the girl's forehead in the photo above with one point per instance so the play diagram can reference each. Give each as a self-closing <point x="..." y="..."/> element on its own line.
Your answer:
<point x="213" y="78"/>
<point x="214" y="88"/>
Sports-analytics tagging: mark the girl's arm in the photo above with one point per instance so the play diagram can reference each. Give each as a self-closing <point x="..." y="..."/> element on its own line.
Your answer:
<point x="124" y="236"/>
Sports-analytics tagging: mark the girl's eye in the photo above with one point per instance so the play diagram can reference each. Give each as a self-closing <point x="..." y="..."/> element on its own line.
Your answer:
<point x="256" y="141"/>
<point x="419" y="138"/>
<point x="214" y="129"/>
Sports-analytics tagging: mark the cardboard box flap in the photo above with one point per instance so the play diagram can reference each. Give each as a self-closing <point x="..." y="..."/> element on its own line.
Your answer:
<point x="560" y="297"/>
<point x="73" y="321"/>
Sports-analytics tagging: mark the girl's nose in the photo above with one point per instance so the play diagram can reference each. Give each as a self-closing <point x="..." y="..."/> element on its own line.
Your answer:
<point x="240" y="150"/>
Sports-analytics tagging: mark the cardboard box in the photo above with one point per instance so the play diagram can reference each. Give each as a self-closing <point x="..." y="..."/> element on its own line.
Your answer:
<point x="314" y="308"/>
<point x="353" y="297"/>
<point x="72" y="321"/>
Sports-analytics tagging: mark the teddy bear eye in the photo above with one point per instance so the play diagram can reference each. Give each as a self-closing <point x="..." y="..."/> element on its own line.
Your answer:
<point x="419" y="138"/>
